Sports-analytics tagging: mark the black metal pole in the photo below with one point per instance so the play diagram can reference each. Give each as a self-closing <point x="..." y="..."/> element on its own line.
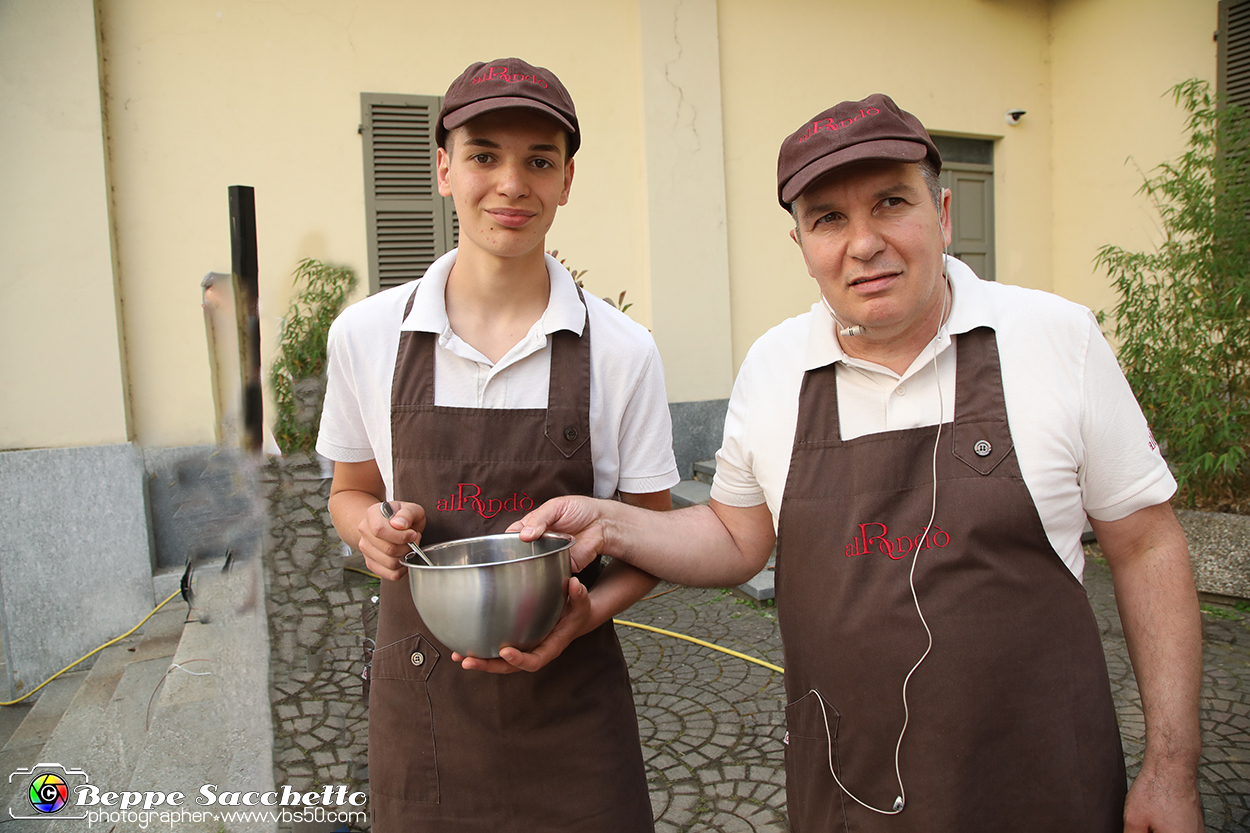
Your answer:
<point x="246" y="274"/>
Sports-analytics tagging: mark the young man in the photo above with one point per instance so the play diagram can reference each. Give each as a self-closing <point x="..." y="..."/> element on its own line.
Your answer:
<point x="925" y="447"/>
<point x="494" y="381"/>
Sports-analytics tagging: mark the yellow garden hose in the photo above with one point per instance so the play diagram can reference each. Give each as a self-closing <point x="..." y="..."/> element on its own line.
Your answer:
<point x="93" y="653"/>
<point x="767" y="665"/>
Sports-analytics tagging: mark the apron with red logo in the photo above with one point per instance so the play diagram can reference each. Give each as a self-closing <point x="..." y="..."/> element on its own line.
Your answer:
<point x="1011" y="725"/>
<point x="455" y="750"/>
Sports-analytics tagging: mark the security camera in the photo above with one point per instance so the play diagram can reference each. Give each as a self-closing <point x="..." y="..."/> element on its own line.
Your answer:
<point x="1013" y="116"/>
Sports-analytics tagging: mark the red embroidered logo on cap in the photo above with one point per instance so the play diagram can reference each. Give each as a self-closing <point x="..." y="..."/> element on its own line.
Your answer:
<point x="829" y="124"/>
<point x="502" y="74"/>
<point x="894" y="548"/>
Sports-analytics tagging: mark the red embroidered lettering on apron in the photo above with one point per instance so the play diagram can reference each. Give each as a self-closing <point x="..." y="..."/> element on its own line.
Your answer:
<point x="488" y="507"/>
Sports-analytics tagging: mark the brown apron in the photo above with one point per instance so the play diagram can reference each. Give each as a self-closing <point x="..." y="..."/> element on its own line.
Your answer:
<point x="456" y="750"/>
<point x="1012" y="726"/>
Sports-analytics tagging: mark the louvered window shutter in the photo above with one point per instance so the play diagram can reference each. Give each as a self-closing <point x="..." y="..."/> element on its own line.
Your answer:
<point x="1234" y="51"/>
<point x="409" y="224"/>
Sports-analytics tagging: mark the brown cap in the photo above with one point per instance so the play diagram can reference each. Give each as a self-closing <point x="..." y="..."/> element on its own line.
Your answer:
<point x="852" y="131"/>
<point x="505" y="83"/>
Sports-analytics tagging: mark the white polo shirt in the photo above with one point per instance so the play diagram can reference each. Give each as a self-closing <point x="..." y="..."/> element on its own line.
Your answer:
<point x="630" y="428"/>
<point x="1080" y="436"/>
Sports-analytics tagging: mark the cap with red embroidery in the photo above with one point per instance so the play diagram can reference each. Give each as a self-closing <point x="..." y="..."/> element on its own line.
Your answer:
<point x="503" y="84"/>
<point x="852" y="131"/>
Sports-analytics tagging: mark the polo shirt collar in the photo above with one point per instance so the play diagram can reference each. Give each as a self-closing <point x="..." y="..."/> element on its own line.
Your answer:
<point x="565" y="310"/>
<point x="973" y="305"/>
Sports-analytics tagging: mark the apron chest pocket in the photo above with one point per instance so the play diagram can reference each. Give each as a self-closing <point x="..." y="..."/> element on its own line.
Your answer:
<point x="402" y="757"/>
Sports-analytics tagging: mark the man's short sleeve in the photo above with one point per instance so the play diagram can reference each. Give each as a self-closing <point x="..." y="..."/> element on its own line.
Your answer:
<point x="735" y="483"/>
<point x="646" y="434"/>
<point x="342" y="435"/>
<point x="1123" y="470"/>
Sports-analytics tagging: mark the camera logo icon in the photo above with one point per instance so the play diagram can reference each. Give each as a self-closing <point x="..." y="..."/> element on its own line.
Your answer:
<point x="47" y="792"/>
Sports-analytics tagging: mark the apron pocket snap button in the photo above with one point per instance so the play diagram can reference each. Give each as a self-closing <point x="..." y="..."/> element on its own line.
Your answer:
<point x="418" y="658"/>
<point x="570" y="433"/>
<point x="982" y="448"/>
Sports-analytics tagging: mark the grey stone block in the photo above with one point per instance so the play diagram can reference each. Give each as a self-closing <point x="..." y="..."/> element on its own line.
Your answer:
<point x="205" y="501"/>
<point x="698" y="428"/>
<point x="48" y="709"/>
<point x="164" y="582"/>
<point x="760" y="587"/>
<point x="75" y="555"/>
<point x="1219" y="550"/>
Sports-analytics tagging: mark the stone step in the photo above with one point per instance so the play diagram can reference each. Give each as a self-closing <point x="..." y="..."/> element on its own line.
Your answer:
<point x="210" y="722"/>
<point x="94" y="720"/>
<point x="760" y="586"/>
<point x="106" y="730"/>
<point x="11" y="716"/>
<point x="162" y="633"/>
<point x="705" y="470"/>
<point x="77" y="728"/>
<point x="690" y="493"/>
<point x="164" y="582"/>
<point x="53" y="701"/>
<point x="25" y="747"/>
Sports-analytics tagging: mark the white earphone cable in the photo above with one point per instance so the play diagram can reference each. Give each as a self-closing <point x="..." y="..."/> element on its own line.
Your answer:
<point x="901" y="800"/>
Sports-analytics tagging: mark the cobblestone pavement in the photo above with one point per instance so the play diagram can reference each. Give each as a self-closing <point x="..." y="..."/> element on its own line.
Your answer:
<point x="711" y="724"/>
<point x="320" y="721"/>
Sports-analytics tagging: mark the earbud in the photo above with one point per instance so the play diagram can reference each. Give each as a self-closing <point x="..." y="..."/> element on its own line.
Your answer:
<point x="845" y="332"/>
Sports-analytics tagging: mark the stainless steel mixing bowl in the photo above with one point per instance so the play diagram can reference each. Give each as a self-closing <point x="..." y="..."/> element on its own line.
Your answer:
<point x="485" y="593"/>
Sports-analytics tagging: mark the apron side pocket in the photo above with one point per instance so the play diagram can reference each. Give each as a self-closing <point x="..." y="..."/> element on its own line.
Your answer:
<point x="403" y="760"/>
<point x="805" y="718"/>
<point x="811" y="750"/>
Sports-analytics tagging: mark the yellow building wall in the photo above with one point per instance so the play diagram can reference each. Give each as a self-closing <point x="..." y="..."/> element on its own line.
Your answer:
<point x="202" y="96"/>
<point x="62" y="374"/>
<point x="685" y="200"/>
<point x="1114" y="64"/>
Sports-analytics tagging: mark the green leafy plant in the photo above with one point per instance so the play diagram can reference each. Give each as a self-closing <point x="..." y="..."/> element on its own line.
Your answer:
<point x="619" y="303"/>
<point x="297" y="376"/>
<point x="1183" y="316"/>
<point x="1219" y="612"/>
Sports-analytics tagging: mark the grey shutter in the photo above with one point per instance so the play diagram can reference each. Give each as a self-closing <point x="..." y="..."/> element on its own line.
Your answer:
<point x="1233" y="71"/>
<point x="409" y="224"/>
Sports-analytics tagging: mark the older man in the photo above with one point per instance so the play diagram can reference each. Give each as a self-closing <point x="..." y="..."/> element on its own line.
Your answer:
<point x="924" y="448"/>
